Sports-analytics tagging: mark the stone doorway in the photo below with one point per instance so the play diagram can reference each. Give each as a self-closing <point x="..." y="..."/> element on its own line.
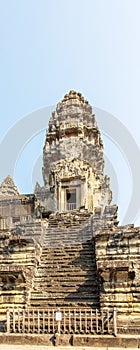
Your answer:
<point x="71" y="198"/>
<point x="69" y="195"/>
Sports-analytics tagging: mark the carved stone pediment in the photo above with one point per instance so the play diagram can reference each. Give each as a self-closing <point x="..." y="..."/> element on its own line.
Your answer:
<point x="70" y="168"/>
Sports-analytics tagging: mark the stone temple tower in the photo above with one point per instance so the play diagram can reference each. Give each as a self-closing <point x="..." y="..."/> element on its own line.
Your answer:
<point x="73" y="169"/>
<point x="62" y="247"/>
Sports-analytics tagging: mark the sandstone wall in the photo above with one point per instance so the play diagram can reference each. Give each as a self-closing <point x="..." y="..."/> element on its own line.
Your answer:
<point x="118" y="264"/>
<point x="18" y="260"/>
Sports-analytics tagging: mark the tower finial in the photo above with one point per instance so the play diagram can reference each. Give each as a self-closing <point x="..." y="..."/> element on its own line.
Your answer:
<point x="72" y="94"/>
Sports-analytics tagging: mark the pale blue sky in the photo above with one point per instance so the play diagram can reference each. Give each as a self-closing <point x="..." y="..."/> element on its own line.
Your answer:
<point x="48" y="47"/>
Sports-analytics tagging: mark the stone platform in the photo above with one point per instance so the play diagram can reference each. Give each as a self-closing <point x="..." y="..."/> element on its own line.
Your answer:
<point x="69" y="341"/>
<point x="32" y="347"/>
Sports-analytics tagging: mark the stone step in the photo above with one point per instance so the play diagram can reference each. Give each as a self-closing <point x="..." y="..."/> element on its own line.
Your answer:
<point x="72" y="280"/>
<point x="82" y="279"/>
<point x="62" y="278"/>
<point x="72" y="259"/>
<point x="56" y="283"/>
<point x="68" y="238"/>
<point x="67" y="257"/>
<point x="65" y="288"/>
<point x="71" y="255"/>
<point x="59" y="266"/>
<point x="76" y="230"/>
<point x="67" y="271"/>
<point x="73" y="296"/>
<point x="61" y="240"/>
<point x="59" y="284"/>
<point x="61" y="244"/>
<point x="66" y="291"/>
<point x="76" y="235"/>
<point x="68" y="250"/>
<point x="64" y="304"/>
<point x="64" y="256"/>
<point x="62" y="264"/>
<point x="80" y="227"/>
<point x="66" y="225"/>
<point x="82" y="244"/>
<point x="69" y="264"/>
<point x="70" y="217"/>
<point x="54" y="223"/>
<point x="65" y="294"/>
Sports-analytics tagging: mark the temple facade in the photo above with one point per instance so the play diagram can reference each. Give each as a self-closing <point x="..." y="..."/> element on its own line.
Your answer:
<point x="62" y="246"/>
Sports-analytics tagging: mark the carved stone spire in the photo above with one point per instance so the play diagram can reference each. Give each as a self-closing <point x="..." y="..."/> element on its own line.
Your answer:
<point x="73" y="137"/>
<point x="8" y="188"/>
<point x="73" y="133"/>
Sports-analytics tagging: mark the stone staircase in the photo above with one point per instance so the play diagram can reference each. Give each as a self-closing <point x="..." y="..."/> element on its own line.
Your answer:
<point x="66" y="275"/>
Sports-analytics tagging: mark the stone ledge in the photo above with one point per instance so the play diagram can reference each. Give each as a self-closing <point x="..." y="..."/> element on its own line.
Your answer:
<point x="101" y="341"/>
<point x="109" y="341"/>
